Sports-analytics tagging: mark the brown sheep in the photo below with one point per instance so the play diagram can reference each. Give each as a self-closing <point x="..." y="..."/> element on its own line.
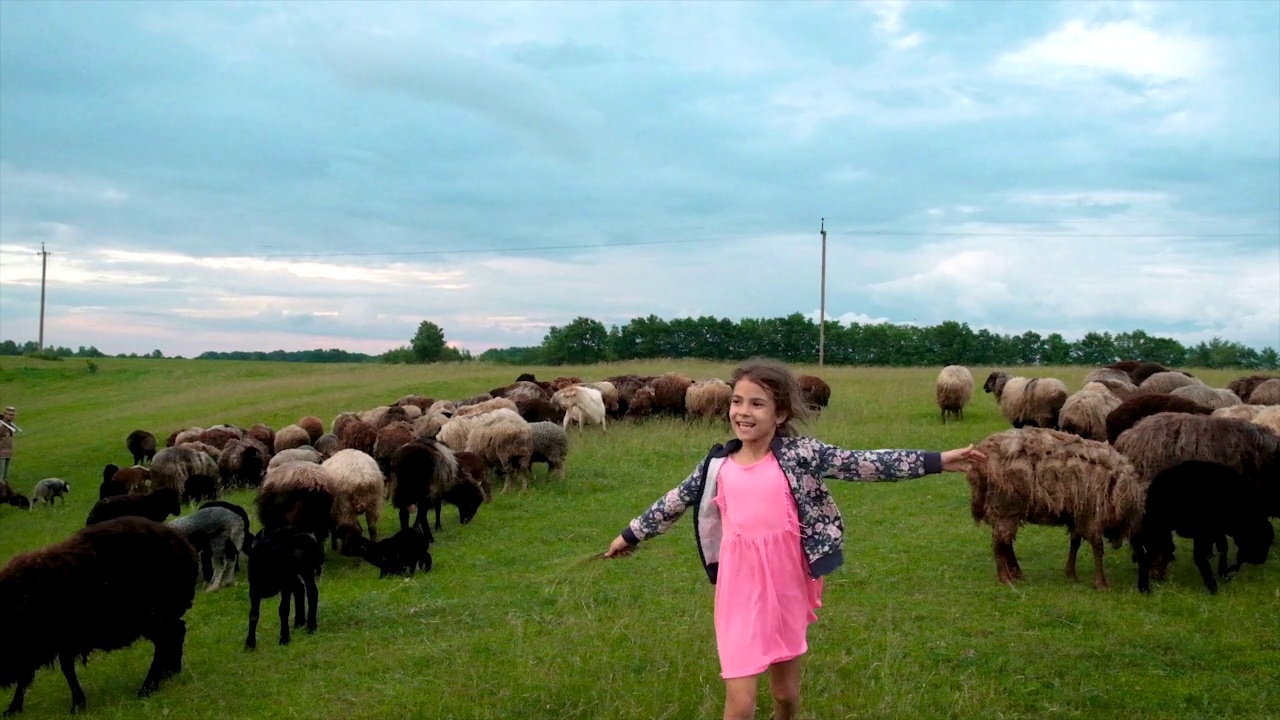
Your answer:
<point x="539" y="410"/>
<point x="1142" y="371"/>
<point x="814" y="391"/>
<point x="314" y="427"/>
<point x="486" y="406"/>
<point x="1209" y="397"/>
<point x="357" y="434"/>
<point x="953" y="389"/>
<point x="1085" y="413"/>
<point x="1030" y="402"/>
<point x="1243" y="387"/>
<point x="1128" y="413"/>
<point x="708" y="399"/>
<point x="1166" y="382"/>
<point x="289" y="437"/>
<point x="418" y="401"/>
<point x="243" y="463"/>
<point x="358" y="488"/>
<point x="172" y="466"/>
<point x="263" y="434"/>
<point x="1046" y="477"/>
<point x="340" y="421"/>
<point x="389" y="438"/>
<point x="296" y="494"/>
<point x="220" y="436"/>
<point x="1266" y="393"/>
<point x="668" y="393"/>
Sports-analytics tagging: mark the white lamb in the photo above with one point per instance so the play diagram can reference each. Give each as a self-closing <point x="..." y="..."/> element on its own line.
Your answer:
<point x="582" y="404"/>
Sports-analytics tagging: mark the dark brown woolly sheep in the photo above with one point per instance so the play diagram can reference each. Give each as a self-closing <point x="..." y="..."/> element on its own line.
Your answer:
<point x="356" y="434"/>
<point x="388" y="416"/>
<point x="289" y="437"/>
<point x="473" y="400"/>
<point x="1128" y="413"/>
<point x="642" y="403"/>
<point x="391" y="438"/>
<point x="1243" y="387"/>
<point x="1046" y="477"/>
<point x="243" y="463"/>
<point x="134" y="479"/>
<point x="539" y="410"/>
<point x="472" y="467"/>
<point x="1142" y="371"/>
<point x="814" y="391"/>
<point x="418" y="401"/>
<point x="138" y="578"/>
<point x="296" y="494"/>
<point x="953" y="390"/>
<point x="563" y="382"/>
<point x="172" y="466"/>
<point x="1163" y="440"/>
<point x="314" y="427"/>
<point x="518" y="391"/>
<point x="173" y="437"/>
<point x="156" y="505"/>
<point x="220" y="436"/>
<point x="668" y="394"/>
<point x="1266" y="393"/>
<point x="1165" y="382"/>
<point x="341" y="421"/>
<point x="142" y="445"/>
<point x="1125" y="366"/>
<point x="421" y="472"/>
<point x="263" y="434"/>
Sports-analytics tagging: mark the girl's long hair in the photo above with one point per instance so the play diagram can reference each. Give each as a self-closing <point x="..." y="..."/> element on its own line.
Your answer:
<point x="782" y="385"/>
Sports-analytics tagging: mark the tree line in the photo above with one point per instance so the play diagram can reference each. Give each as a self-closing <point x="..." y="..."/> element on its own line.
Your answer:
<point x="793" y="338"/>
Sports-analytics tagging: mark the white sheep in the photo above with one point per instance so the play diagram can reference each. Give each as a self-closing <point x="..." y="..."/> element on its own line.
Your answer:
<point x="584" y="404"/>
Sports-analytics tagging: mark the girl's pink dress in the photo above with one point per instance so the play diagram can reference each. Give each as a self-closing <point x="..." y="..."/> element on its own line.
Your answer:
<point x="765" y="599"/>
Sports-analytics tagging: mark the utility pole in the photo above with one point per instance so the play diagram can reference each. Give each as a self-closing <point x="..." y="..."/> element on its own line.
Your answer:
<point x="822" y="303"/>
<point x="44" y="265"/>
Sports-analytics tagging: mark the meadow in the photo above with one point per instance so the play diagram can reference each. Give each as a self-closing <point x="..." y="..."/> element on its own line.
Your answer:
<point x="520" y="619"/>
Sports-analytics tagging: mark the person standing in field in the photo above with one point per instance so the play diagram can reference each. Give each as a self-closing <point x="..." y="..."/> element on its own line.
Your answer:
<point x="6" y="441"/>
<point x="768" y="530"/>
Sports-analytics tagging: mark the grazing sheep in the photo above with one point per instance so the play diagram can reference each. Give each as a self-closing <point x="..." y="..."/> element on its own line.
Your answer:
<point x="708" y="399"/>
<point x="1128" y="413"/>
<point x="538" y="410"/>
<point x="428" y="426"/>
<point x="473" y="400"/>
<point x="110" y="486"/>
<point x="216" y="533"/>
<point x="142" y="445"/>
<point x="519" y="390"/>
<point x="50" y="489"/>
<point x="303" y="453"/>
<point x="340" y="421"/>
<point x="1027" y="402"/>
<point x="263" y="434"/>
<point x="472" y="468"/>
<point x="419" y="401"/>
<point x="1085" y="413"/>
<point x="814" y="391"/>
<point x="506" y="445"/>
<point x="1166" y="382"/>
<point x="356" y="434"/>
<point x="1108" y="373"/>
<point x="220" y="436"/>
<point x="296" y="494"/>
<point x="314" y="427"/>
<point x="421" y="472"/>
<point x="1268" y="418"/>
<point x="497" y="403"/>
<point x="953" y="390"/>
<point x="16" y="499"/>
<point x="1212" y="398"/>
<point x="390" y="438"/>
<point x="172" y="466"/>
<point x="385" y="415"/>
<point x="191" y="434"/>
<point x="1244" y="387"/>
<point x="550" y="446"/>
<point x="243" y="463"/>
<point x="668" y="393"/>
<point x="1161" y="441"/>
<point x="444" y="407"/>
<point x="1267" y="393"/>
<point x="284" y="561"/>
<point x="643" y="402"/>
<point x="1047" y="477"/>
<point x="358" y="488"/>
<point x="608" y="394"/>
<point x="155" y="505"/>
<point x="585" y="404"/>
<point x="327" y="445"/>
<point x="289" y="437"/>
<point x="135" y="478"/>
<point x="563" y="382"/>
<point x="101" y="589"/>
<point x="1140" y="372"/>
<point x="1121" y="388"/>
<point x="199" y="487"/>
<point x="400" y="554"/>
<point x="1205" y="502"/>
<point x="1240" y="412"/>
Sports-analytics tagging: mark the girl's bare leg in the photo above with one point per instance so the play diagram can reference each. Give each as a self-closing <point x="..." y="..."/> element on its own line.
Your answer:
<point x="784" y="685"/>
<point x="740" y="698"/>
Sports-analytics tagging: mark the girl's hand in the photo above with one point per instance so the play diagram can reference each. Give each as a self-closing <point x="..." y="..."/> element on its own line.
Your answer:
<point x="958" y="460"/>
<point x="619" y="548"/>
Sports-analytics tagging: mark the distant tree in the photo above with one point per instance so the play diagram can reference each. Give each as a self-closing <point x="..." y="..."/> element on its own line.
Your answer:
<point x="428" y="342"/>
<point x="1268" y="359"/>
<point x="581" y="342"/>
<point x="1095" y="349"/>
<point x="402" y="355"/>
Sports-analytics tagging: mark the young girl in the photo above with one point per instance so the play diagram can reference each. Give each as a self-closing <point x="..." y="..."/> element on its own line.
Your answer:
<point x="767" y="530"/>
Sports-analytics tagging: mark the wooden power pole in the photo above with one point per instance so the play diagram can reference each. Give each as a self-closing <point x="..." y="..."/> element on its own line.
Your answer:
<point x="44" y="265"/>
<point x="822" y="302"/>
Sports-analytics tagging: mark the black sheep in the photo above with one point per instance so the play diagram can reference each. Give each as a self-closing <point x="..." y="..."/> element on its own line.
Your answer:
<point x="110" y="486"/>
<point x="156" y="505"/>
<point x="1206" y="502"/>
<point x="285" y="562"/>
<point x="142" y="445"/>
<point x="422" y="472"/>
<point x="403" y="552"/>
<point x="140" y="576"/>
<point x="9" y="496"/>
<point x="199" y="487"/>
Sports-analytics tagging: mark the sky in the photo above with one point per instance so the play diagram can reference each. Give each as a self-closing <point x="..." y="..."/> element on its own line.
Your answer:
<point x="263" y="175"/>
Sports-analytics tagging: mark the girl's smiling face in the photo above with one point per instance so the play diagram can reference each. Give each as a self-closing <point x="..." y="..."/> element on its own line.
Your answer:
<point x="753" y="413"/>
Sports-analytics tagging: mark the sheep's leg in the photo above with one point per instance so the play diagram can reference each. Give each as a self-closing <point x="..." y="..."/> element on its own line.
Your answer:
<point x="1203" y="548"/>
<point x="1223" y="548"/>
<point x="1143" y="558"/>
<point x="67" y="661"/>
<point x="286" y="595"/>
<point x="255" y="603"/>
<point x="299" y="602"/>
<point x="167" y="660"/>
<point x="313" y="600"/>
<point x="439" y="507"/>
<point x="206" y="564"/>
<point x="1099" y="577"/>
<point x="1071" y="556"/>
<point x="404" y="518"/>
<point x="371" y="519"/>
<point x="998" y="546"/>
<point x="20" y="694"/>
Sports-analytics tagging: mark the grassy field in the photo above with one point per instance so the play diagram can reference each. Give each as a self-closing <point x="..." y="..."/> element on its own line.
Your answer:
<point x="519" y="620"/>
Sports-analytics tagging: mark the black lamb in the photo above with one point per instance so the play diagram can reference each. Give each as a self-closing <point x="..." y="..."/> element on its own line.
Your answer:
<point x="1206" y="502"/>
<point x="139" y="577"/>
<point x="156" y="505"/>
<point x="285" y="562"/>
<point x="199" y="487"/>
<point x="9" y="496"/>
<point x="142" y="445"/>
<point x="401" y="553"/>
<point x="110" y="486"/>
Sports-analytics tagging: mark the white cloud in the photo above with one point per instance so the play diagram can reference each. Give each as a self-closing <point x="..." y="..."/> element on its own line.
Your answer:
<point x="1125" y="47"/>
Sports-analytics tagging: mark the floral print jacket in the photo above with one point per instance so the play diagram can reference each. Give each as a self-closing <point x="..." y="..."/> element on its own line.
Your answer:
<point x="805" y="461"/>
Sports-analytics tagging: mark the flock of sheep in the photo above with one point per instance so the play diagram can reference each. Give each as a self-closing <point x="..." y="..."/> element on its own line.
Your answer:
<point x="310" y="485"/>
<point x="1139" y="453"/>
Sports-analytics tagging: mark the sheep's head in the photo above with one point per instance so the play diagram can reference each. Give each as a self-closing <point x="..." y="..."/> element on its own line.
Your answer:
<point x="995" y="383"/>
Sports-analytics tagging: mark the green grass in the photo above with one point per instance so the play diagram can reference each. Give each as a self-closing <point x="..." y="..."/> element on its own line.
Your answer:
<point x="518" y="620"/>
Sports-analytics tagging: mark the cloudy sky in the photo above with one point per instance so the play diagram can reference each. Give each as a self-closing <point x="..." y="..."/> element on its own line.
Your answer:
<point x="253" y="176"/>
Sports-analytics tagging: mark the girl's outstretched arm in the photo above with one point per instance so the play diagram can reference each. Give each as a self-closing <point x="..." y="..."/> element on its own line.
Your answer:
<point x="660" y="516"/>
<point x="958" y="460"/>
